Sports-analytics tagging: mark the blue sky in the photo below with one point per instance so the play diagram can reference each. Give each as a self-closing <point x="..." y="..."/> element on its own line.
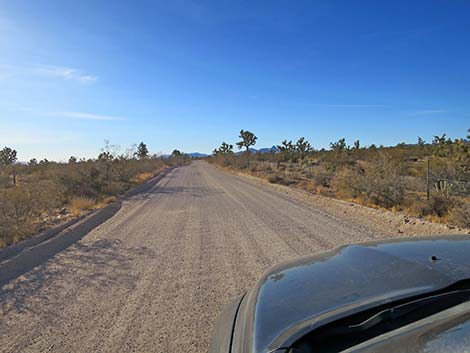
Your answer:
<point x="191" y="74"/>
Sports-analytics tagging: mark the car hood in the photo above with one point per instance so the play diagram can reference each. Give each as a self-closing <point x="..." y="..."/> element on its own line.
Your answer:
<point x="296" y="297"/>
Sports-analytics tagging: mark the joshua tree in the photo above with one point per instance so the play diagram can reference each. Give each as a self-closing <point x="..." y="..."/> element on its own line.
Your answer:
<point x="176" y="153"/>
<point x="8" y="158"/>
<point x="224" y="150"/>
<point x="248" y="139"/>
<point x="142" y="151"/>
<point x="442" y="145"/>
<point x="303" y="147"/>
<point x="103" y="156"/>
<point x="421" y="142"/>
<point x="401" y="145"/>
<point x="286" y="148"/>
<point x="339" y="146"/>
<point x="357" y="144"/>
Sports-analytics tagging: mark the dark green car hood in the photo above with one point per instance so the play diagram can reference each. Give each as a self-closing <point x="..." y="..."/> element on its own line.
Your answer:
<point x="296" y="297"/>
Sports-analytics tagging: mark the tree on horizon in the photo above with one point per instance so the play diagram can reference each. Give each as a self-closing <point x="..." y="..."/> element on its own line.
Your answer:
<point x="248" y="139"/>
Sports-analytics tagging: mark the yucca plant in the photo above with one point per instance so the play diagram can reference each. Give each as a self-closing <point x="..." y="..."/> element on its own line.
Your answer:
<point x="444" y="188"/>
<point x="441" y="200"/>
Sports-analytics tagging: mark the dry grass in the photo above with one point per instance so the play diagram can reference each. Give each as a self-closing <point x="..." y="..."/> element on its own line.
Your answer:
<point x="78" y="205"/>
<point x="106" y="201"/>
<point x="142" y="177"/>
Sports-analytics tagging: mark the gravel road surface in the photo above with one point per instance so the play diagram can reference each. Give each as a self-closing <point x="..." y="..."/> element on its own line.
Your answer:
<point x="153" y="277"/>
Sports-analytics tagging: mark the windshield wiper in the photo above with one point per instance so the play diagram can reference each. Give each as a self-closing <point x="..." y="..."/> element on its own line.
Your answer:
<point x="358" y="328"/>
<point x="413" y="311"/>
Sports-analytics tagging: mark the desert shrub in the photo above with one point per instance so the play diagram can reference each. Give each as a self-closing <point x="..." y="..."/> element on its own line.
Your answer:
<point x="382" y="183"/>
<point x="420" y="208"/>
<point x="310" y="186"/>
<point x="460" y="215"/>
<point x="274" y="178"/>
<point x="443" y="167"/>
<point x="242" y="163"/>
<point x="224" y="162"/>
<point x="278" y="179"/>
<point x="291" y="167"/>
<point x="321" y="176"/>
<point x="19" y="207"/>
<point x="253" y="167"/>
<point x="414" y="184"/>
<point x="348" y="183"/>
<point x="440" y="205"/>
<point x="268" y="168"/>
<point x="386" y="192"/>
<point x="5" y="180"/>
<point x="83" y="179"/>
<point x="104" y="177"/>
<point x="286" y="181"/>
<point x="377" y="181"/>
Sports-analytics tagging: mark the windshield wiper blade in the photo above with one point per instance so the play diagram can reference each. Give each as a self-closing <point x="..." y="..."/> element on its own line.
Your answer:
<point x="439" y="302"/>
<point x="362" y="326"/>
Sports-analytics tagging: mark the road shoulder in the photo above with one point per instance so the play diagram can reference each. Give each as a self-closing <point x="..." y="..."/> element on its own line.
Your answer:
<point x="383" y="221"/>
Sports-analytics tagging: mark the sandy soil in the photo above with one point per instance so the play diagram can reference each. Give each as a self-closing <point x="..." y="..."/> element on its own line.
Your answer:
<point x="153" y="277"/>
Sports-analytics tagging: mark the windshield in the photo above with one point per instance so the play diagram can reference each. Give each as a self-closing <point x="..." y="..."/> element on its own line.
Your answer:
<point x="454" y="339"/>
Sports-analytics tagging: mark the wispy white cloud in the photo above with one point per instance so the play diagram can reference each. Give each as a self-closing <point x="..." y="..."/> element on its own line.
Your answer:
<point x="58" y="114"/>
<point x="350" y="105"/>
<point x="85" y="116"/>
<point x="65" y="73"/>
<point x="48" y="71"/>
<point x="354" y="105"/>
<point x="428" y="111"/>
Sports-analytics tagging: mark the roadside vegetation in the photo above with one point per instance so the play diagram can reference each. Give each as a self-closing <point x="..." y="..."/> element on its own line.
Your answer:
<point x="429" y="180"/>
<point x="39" y="194"/>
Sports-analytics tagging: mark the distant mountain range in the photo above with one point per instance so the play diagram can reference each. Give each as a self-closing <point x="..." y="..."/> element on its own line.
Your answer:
<point x="273" y="149"/>
<point x="252" y="150"/>
<point x="196" y="155"/>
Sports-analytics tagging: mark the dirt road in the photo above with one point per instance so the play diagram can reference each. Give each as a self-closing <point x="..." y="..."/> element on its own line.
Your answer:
<point x="153" y="277"/>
